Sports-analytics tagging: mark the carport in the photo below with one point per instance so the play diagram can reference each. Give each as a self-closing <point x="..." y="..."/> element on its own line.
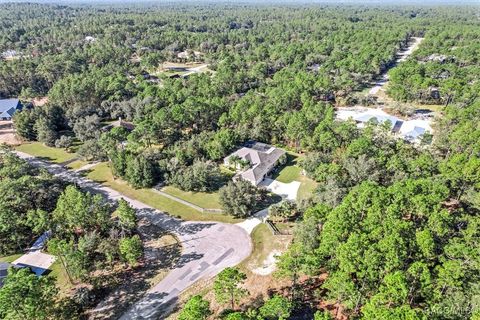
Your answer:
<point x="37" y="261"/>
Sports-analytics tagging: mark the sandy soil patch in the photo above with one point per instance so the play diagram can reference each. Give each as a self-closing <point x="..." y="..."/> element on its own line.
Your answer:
<point x="40" y="101"/>
<point x="7" y="133"/>
<point x="268" y="265"/>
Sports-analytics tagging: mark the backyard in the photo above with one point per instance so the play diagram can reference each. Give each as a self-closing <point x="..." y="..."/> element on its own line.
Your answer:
<point x="291" y="171"/>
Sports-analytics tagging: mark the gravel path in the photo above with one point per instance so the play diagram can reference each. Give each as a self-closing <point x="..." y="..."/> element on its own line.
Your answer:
<point x="402" y="56"/>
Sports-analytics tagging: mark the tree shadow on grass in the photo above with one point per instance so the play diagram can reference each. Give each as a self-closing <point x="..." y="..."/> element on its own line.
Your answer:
<point x="47" y="159"/>
<point x="66" y="163"/>
<point x="84" y="173"/>
<point x="178" y="226"/>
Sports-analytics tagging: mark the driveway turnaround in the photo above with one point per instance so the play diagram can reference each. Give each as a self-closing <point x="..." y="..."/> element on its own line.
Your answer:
<point x="207" y="247"/>
<point x="285" y="190"/>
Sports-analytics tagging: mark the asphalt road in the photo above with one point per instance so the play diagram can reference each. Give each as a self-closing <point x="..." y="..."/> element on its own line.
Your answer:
<point x="207" y="247"/>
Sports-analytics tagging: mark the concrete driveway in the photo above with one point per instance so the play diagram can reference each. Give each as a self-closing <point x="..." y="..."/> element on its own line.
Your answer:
<point x="208" y="247"/>
<point x="285" y="190"/>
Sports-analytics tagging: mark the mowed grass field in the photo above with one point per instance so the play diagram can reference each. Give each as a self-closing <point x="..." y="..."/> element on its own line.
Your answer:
<point x="10" y="258"/>
<point x="206" y="200"/>
<point x="102" y="173"/>
<point x="40" y="150"/>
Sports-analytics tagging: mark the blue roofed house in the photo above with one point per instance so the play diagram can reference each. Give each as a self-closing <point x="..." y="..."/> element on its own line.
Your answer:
<point x="8" y="107"/>
<point x="3" y="271"/>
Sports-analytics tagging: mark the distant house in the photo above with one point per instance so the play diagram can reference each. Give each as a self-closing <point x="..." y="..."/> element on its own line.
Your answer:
<point x="119" y="123"/>
<point x="410" y="130"/>
<point x="438" y="58"/>
<point x="434" y="93"/>
<point x="40" y="243"/>
<point x="8" y="107"/>
<point x="254" y="161"/>
<point x="9" y="54"/>
<point x="176" y="69"/>
<point x="187" y="54"/>
<point x="35" y="260"/>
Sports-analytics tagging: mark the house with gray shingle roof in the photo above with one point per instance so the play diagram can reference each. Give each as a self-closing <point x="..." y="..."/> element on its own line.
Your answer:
<point x="254" y="161"/>
<point x="8" y="107"/>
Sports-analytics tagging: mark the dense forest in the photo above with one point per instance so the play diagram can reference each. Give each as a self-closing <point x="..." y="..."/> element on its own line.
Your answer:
<point x="447" y="62"/>
<point x="394" y="226"/>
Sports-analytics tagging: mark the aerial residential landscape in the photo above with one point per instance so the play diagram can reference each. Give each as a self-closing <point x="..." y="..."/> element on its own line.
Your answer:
<point x="256" y="160"/>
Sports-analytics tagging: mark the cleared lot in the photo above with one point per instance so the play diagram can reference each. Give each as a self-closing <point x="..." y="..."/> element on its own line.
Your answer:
<point x="7" y="133"/>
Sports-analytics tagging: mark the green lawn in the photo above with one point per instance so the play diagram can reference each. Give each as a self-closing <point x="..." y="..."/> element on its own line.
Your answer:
<point x="102" y="173"/>
<point x="289" y="173"/>
<point x="205" y="200"/>
<point x="39" y="150"/>
<point x="307" y="187"/>
<point x="10" y="258"/>
<point x="77" y="164"/>
<point x="292" y="172"/>
<point x="61" y="277"/>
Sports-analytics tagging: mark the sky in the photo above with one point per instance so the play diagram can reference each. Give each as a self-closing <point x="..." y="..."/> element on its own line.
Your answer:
<point x="397" y="2"/>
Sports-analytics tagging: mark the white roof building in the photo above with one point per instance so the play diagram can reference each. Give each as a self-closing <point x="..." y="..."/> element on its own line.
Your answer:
<point x="37" y="261"/>
<point x="411" y="130"/>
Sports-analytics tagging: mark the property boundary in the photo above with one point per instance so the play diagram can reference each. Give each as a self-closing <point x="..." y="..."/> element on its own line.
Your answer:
<point x="191" y="205"/>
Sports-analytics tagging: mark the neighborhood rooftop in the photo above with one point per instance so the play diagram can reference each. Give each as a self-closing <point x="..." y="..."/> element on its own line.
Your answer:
<point x="8" y="108"/>
<point x="411" y="130"/>
<point x="37" y="261"/>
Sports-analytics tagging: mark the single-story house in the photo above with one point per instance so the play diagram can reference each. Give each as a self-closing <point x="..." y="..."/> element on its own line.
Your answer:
<point x="8" y="107"/>
<point x="187" y="54"/>
<point x="259" y="159"/>
<point x="9" y="54"/>
<point x="410" y="130"/>
<point x="176" y="69"/>
<point x="413" y="130"/>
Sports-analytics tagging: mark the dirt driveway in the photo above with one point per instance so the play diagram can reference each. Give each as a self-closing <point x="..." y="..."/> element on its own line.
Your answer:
<point x="7" y="133"/>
